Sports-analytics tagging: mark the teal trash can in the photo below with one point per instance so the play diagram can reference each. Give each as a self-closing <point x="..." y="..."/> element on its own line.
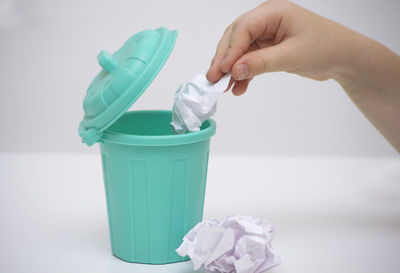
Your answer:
<point x="155" y="184"/>
<point x="154" y="178"/>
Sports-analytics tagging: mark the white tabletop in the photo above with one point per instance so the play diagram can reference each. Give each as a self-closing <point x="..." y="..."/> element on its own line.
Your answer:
<point x="332" y="214"/>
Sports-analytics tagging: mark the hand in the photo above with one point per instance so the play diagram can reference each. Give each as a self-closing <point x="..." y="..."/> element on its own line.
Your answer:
<point x="281" y="36"/>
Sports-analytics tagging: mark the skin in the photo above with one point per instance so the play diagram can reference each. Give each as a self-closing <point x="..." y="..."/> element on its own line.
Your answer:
<point x="281" y="36"/>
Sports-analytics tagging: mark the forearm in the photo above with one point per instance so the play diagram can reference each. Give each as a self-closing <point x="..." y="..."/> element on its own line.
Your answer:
<point x="371" y="78"/>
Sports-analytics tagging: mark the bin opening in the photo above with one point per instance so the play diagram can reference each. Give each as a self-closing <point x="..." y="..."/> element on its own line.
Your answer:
<point x="147" y="123"/>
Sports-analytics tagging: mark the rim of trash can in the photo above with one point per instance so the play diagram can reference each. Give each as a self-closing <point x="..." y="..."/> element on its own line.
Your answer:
<point x="162" y="140"/>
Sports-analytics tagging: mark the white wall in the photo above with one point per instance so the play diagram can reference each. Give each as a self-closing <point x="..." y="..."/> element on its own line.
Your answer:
<point x="48" y="57"/>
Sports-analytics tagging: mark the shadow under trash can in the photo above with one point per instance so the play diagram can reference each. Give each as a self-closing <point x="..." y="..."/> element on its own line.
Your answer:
<point x="154" y="178"/>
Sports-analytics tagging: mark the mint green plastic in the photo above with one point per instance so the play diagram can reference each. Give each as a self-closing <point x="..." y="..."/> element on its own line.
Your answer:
<point x="154" y="179"/>
<point x="125" y="75"/>
<point x="155" y="183"/>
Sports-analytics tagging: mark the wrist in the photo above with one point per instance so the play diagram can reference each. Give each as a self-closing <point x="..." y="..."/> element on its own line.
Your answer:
<point x="353" y="68"/>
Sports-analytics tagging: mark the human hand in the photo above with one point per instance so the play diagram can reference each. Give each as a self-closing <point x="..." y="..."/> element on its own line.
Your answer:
<point x="281" y="36"/>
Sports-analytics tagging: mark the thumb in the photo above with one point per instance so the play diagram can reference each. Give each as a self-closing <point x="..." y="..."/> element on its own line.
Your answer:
<point x="270" y="59"/>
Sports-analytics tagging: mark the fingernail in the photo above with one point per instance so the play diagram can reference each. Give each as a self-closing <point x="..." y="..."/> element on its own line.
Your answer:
<point x="242" y="72"/>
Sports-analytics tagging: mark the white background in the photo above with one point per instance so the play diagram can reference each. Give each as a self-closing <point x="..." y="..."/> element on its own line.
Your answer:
<point x="48" y="58"/>
<point x="292" y="151"/>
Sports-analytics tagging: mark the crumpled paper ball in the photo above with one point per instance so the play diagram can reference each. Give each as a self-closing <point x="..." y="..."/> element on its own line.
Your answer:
<point x="239" y="244"/>
<point x="196" y="101"/>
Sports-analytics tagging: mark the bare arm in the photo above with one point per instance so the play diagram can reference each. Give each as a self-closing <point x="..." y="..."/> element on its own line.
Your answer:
<point x="371" y="78"/>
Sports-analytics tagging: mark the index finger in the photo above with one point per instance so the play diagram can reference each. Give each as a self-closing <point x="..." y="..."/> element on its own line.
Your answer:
<point x="214" y="73"/>
<point x="259" y="23"/>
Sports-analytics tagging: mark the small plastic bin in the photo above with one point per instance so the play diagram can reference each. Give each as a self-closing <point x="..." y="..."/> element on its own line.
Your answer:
<point x="155" y="183"/>
<point x="154" y="179"/>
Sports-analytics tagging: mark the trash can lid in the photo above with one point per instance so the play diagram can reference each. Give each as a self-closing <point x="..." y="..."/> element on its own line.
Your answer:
<point x="124" y="77"/>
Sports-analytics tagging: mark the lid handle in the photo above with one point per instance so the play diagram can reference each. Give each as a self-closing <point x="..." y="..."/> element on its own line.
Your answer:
<point x="106" y="61"/>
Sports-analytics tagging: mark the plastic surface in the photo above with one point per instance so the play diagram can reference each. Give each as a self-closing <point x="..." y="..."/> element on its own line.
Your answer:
<point x="152" y="128"/>
<point x="124" y="77"/>
<point x="155" y="184"/>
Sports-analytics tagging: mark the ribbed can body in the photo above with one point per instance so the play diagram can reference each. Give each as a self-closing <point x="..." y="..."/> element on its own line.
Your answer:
<point x="155" y="195"/>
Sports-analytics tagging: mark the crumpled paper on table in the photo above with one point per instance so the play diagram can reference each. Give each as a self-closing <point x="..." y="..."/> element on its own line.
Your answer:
<point x="196" y="101"/>
<point x="239" y="244"/>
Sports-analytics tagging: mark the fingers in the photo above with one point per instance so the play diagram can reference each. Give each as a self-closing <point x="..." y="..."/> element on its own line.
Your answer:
<point x="214" y="74"/>
<point x="240" y="87"/>
<point x="231" y="82"/>
<point x="270" y="59"/>
<point x="261" y="23"/>
<point x="239" y="42"/>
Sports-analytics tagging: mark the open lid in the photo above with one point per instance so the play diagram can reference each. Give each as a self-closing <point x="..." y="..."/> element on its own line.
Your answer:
<point x="125" y="76"/>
